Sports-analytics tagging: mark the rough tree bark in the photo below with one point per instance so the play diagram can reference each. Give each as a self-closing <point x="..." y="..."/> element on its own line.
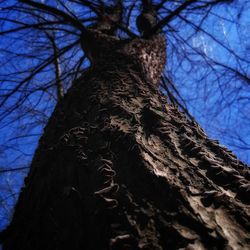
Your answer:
<point x="119" y="168"/>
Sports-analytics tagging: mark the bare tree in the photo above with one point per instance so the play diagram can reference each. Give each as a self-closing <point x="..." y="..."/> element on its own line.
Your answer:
<point x="119" y="166"/>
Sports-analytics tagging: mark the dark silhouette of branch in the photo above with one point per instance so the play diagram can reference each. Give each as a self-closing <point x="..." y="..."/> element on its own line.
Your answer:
<point x="35" y="71"/>
<point x="58" y="13"/>
<point x="5" y="170"/>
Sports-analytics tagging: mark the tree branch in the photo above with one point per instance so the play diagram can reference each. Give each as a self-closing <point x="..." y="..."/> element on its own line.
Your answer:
<point x="49" y="9"/>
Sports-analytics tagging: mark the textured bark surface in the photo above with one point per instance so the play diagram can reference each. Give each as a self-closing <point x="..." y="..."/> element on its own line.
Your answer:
<point x="118" y="168"/>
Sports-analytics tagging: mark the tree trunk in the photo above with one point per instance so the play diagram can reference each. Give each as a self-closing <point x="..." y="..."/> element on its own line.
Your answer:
<point x="119" y="168"/>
